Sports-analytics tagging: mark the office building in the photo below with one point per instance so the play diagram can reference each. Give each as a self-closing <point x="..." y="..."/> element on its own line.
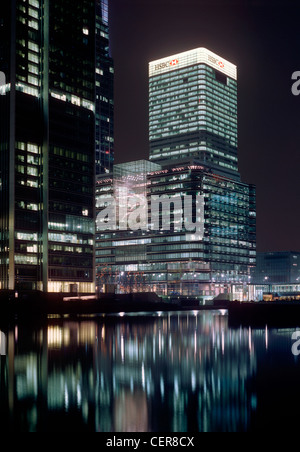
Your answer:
<point x="277" y="268"/>
<point x="179" y="262"/>
<point x="193" y="143"/>
<point x="48" y="53"/>
<point x="193" y="111"/>
<point x="104" y="92"/>
<point x="277" y="273"/>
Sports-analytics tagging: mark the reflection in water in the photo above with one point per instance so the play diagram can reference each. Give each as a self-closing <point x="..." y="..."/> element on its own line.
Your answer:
<point x="169" y="372"/>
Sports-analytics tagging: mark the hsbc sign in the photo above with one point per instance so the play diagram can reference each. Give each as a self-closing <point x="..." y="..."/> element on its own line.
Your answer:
<point x="166" y="64"/>
<point x="191" y="58"/>
<point x="216" y="61"/>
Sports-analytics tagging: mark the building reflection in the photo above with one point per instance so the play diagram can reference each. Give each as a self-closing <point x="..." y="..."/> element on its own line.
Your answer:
<point x="174" y="372"/>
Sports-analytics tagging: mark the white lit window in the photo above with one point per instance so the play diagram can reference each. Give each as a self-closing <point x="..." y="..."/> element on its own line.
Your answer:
<point x="32" y="171"/>
<point x="85" y="31"/>
<point x="34" y="3"/>
<point x="33" y="69"/>
<point x="32" y="249"/>
<point x="28" y="237"/>
<point x="27" y="260"/>
<point x="32" y="184"/>
<point x="33" y="24"/>
<point x="33" y="80"/>
<point x="33" y="46"/>
<point x="27" y="89"/>
<point x="32" y="159"/>
<point x="33" y="148"/>
<point x="33" y="13"/>
<point x="33" y="57"/>
<point x="34" y="207"/>
<point x="20" y="145"/>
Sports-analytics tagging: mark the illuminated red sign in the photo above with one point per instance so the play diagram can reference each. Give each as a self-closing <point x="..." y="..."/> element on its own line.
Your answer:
<point x="174" y="62"/>
<point x="222" y="65"/>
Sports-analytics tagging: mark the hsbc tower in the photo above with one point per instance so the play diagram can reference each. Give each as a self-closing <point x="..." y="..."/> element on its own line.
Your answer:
<point x="193" y="111"/>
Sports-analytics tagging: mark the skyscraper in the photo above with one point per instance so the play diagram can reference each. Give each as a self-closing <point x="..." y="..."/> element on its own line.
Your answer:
<point x="47" y="160"/>
<point x="193" y="110"/>
<point x="193" y="144"/>
<point x="104" y="92"/>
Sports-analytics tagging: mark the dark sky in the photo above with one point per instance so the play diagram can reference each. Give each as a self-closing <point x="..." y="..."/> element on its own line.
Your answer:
<point x="262" y="38"/>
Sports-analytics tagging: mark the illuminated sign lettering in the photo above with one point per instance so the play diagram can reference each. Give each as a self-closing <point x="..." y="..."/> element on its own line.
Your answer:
<point x="166" y="64"/>
<point x="215" y="61"/>
<point x="190" y="58"/>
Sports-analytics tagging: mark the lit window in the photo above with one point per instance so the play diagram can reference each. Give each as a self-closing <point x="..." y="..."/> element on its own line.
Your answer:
<point x="33" y="13"/>
<point x="33" y="80"/>
<point x="34" y="3"/>
<point x="32" y="171"/>
<point x="32" y="184"/>
<point x="27" y="260"/>
<point x="32" y="249"/>
<point x="33" y="46"/>
<point x="33" y="24"/>
<point x="32" y="159"/>
<point x="32" y="207"/>
<point x="33" y="148"/>
<point x="33" y="69"/>
<point x="33" y="57"/>
<point x="28" y="237"/>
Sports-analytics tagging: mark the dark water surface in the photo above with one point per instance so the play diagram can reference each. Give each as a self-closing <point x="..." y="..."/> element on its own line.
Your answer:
<point x="166" y="372"/>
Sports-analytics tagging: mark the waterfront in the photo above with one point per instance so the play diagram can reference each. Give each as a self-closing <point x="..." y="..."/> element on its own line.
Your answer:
<point x="165" y="372"/>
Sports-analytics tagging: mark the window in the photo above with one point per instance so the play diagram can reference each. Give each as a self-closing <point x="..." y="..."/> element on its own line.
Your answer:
<point x="32" y="171"/>
<point x="33" y="148"/>
<point x="33" y="13"/>
<point x="33" y="69"/>
<point x="33" y="57"/>
<point x="33" y="46"/>
<point x="34" y="3"/>
<point x="33" y="24"/>
<point x="33" y="80"/>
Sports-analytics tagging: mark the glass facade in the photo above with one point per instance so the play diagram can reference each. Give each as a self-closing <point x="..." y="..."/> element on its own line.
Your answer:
<point x="277" y="268"/>
<point x="104" y="92"/>
<point x="193" y="142"/>
<point x="180" y="262"/>
<point x="193" y="111"/>
<point x="50" y="114"/>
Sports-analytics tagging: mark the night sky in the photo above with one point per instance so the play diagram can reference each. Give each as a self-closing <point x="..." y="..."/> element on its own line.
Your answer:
<point x="262" y="38"/>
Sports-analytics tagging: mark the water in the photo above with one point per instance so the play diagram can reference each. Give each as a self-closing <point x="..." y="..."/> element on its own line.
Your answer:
<point x="173" y="372"/>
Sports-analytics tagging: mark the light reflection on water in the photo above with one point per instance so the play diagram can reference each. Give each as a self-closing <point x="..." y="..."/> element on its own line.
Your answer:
<point x="170" y="372"/>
